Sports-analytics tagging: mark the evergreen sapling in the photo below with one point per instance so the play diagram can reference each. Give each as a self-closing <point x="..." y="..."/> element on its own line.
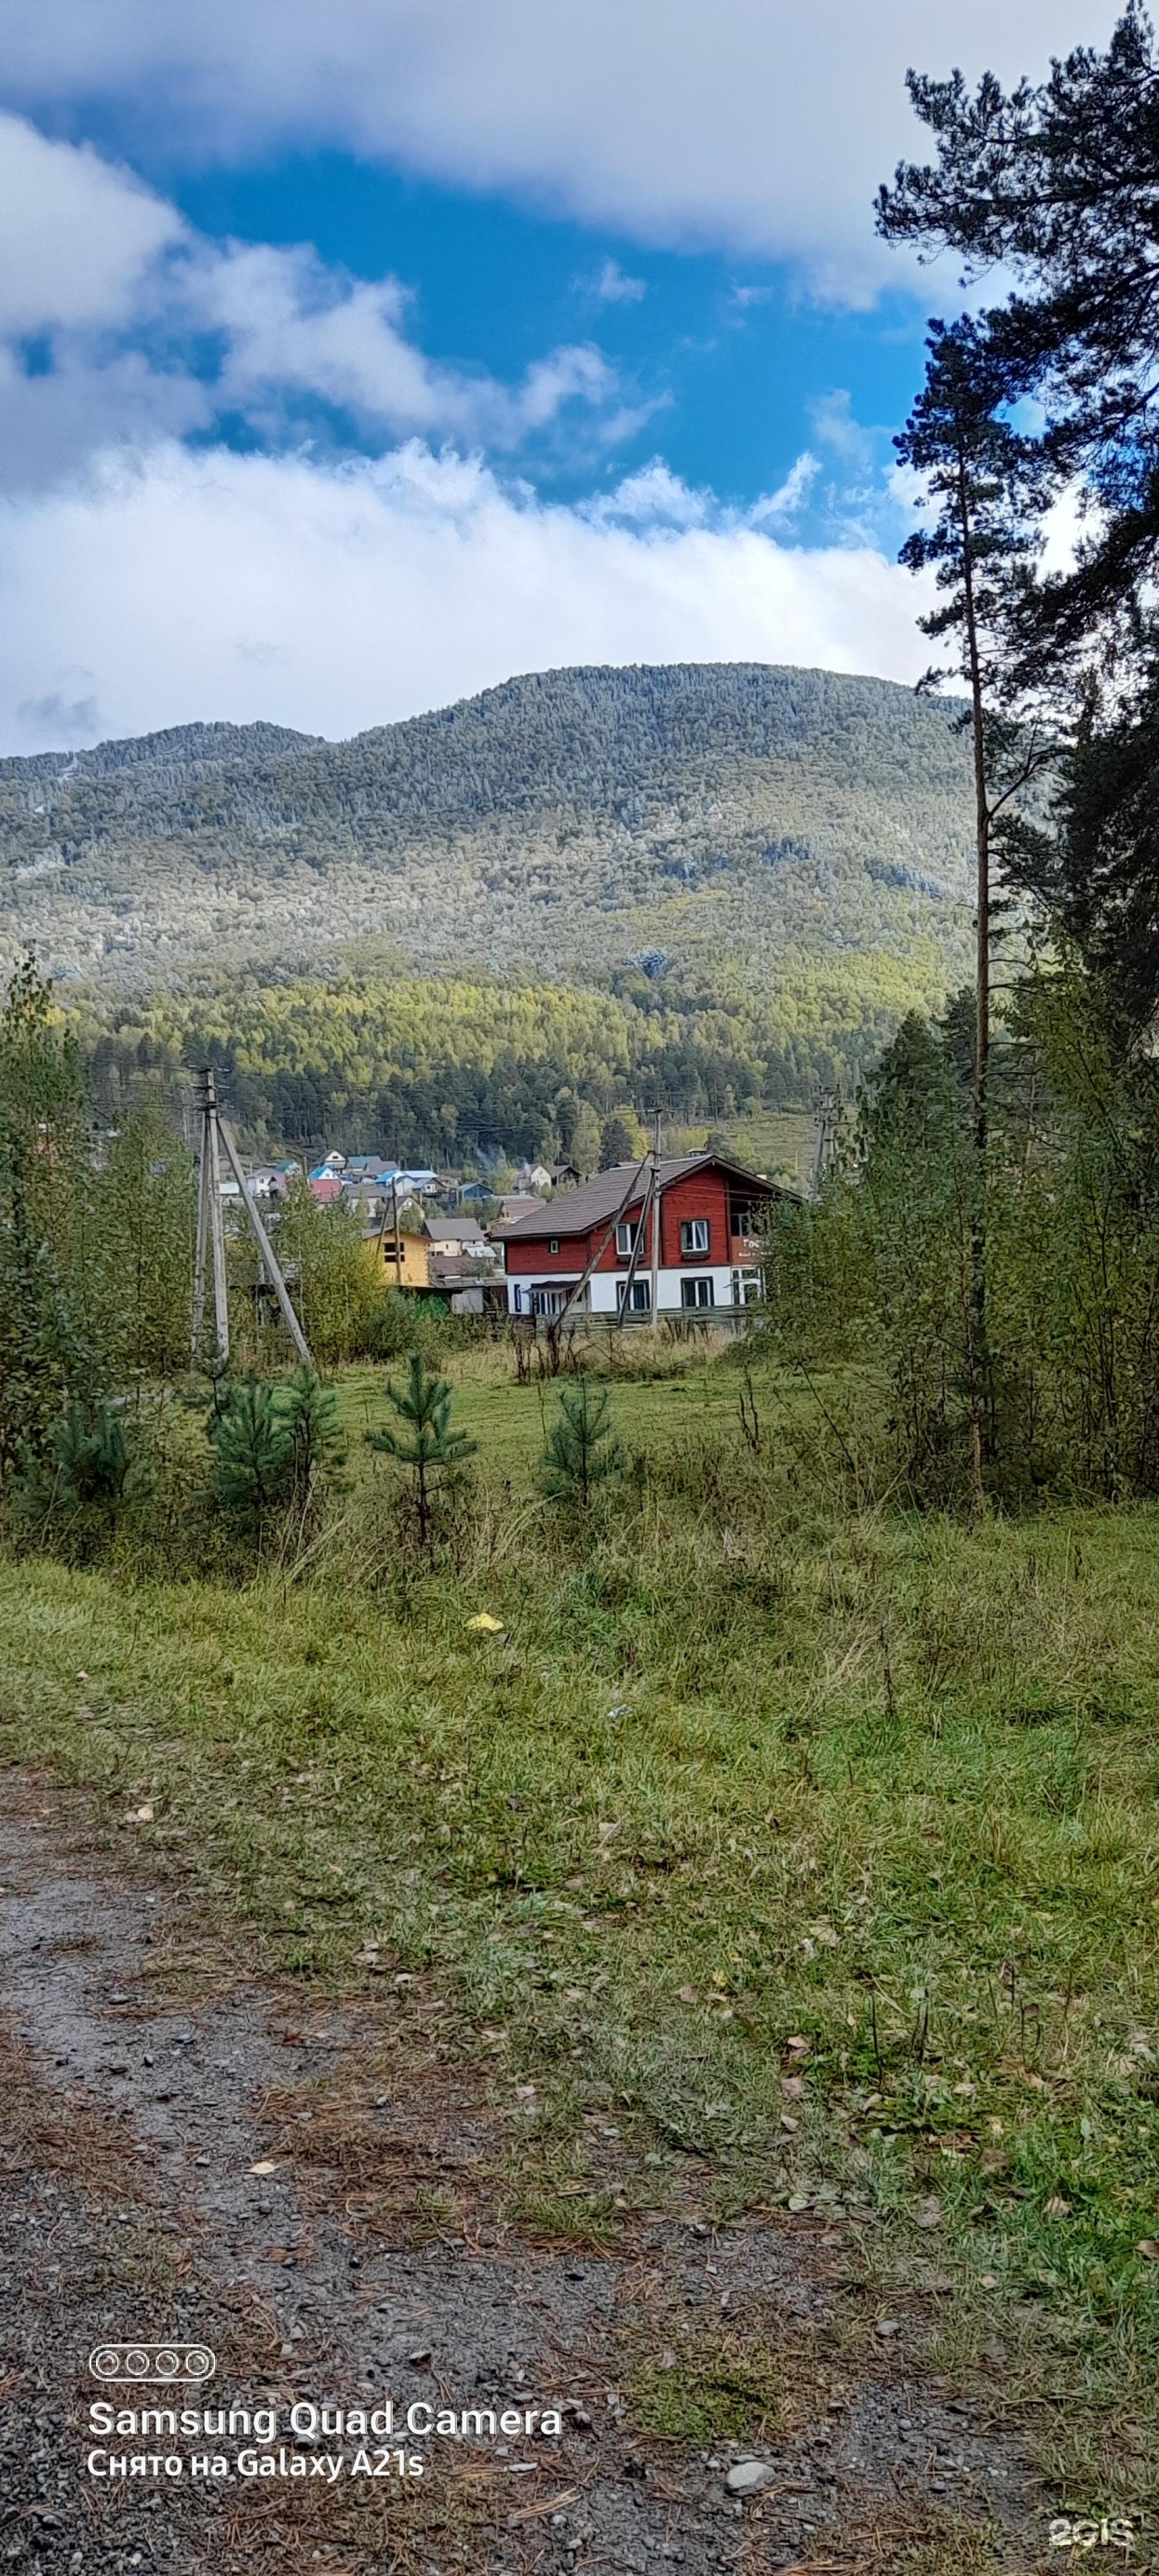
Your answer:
<point x="424" y="1440"/>
<point x="582" y="1450"/>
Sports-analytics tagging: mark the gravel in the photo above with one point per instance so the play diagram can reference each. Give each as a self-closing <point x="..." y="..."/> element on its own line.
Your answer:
<point x="138" y="2094"/>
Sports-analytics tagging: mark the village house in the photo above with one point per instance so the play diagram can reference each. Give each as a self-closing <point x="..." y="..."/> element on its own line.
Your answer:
<point x="709" y="1213"/>
<point x="522" y="1203"/>
<point x="459" y="1237"/>
<point x="410" y="1266"/>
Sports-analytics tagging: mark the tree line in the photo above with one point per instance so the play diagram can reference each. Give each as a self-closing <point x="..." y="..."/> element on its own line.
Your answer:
<point x="991" y="1229"/>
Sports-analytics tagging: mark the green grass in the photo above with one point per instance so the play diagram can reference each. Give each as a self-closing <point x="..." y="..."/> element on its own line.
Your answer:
<point x="508" y="1421"/>
<point x="759" y="1812"/>
<point x="781" y="1142"/>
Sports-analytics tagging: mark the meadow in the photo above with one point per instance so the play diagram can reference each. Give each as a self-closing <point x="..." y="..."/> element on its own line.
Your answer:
<point x="820" y="1832"/>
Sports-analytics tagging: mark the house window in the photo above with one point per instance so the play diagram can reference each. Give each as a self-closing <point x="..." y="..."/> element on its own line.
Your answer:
<point x="553" y="1246"/>
<point x="625" y="1241"/>
<point x="549" y="1301"/>
<point x="639" y="1296"/>
<point x="696" y="1292"/>
<point x="694" y="1237"/>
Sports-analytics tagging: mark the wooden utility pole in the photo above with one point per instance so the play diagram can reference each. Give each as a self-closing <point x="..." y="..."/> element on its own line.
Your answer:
<point x="381" y="1247"/>
<point x="656" y="1219"/>
<point x="638" y="1241"/>
<point x="214" y="1134"/>
<point x="210" y="1229"/>
<point x="605" y="1239"/>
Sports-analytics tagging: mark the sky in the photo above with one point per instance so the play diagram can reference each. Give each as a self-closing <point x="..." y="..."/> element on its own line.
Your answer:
<point x="354" y="358"/>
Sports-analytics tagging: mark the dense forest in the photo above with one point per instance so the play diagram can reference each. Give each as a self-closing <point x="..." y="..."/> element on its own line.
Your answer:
<point x="459" y="1069"/>
<point x="562" y="825"/>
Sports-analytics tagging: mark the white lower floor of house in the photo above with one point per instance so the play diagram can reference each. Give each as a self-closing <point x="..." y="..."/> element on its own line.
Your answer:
<point x="680" y="1292"/>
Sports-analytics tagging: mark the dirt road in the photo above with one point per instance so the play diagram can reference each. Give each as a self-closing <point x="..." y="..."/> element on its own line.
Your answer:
<point x="312" y="2189"/>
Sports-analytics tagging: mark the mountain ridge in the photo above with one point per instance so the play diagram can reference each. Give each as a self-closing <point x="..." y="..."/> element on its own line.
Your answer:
<point x="556" y="824"/>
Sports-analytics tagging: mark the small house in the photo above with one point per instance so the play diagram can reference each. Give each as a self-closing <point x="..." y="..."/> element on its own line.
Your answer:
<point x="410" y="1268"/>
<point x="459" y="1237"/>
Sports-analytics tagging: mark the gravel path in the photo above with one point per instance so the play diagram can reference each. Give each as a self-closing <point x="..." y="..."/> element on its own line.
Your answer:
<point x="146" y="2075"/>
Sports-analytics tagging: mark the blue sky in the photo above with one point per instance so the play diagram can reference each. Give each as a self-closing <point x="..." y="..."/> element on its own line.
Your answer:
<point x="734" y="371"/>
<point x="353" y="359"/>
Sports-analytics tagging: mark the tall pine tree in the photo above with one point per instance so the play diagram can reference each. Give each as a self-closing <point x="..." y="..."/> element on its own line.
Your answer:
<point x="1054" y="184"/>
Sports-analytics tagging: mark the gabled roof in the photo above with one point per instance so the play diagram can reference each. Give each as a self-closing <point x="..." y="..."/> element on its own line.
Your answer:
<point x="517" y="1204"/>
<point x="454" y="1229"/>
<point x="596" y="1201"/>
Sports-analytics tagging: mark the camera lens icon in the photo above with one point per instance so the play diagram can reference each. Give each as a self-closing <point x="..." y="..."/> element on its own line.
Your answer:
<point x="152" y="2364"/>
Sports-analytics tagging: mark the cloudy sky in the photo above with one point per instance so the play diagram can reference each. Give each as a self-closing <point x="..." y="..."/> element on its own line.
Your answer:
<point x="354" y="357"/>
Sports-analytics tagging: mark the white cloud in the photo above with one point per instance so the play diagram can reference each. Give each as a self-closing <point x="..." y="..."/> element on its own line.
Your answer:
<point x="76" y="235"/>
<point x="294" y="326"/>
<point x="612" y="287"/>
<point x="791" y="495"/>
<point x="215" y="585"/>
<point x="652" y="497"/>
<point x="120" y="298"/>
<point x="753" y="122"/>
<point x="835" y="426"/>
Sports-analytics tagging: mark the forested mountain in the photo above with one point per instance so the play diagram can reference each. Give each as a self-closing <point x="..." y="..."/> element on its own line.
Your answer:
<point x="562" y="825"/>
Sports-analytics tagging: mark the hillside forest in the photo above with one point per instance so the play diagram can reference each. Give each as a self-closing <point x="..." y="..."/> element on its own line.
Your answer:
<point x="471" y="1071"/>
<point x="554" y="826"/>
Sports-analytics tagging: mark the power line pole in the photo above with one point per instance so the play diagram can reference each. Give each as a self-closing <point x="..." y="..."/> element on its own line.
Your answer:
<point x="656" y="1219"/>
<point x="210" y="1228"/>
<point x="381" y="1245"/>
<point x="215" y="1135"/>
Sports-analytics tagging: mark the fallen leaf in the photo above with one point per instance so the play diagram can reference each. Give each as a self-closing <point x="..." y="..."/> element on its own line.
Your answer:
<point x="800" y="2047"/>
<point x="265" y="2165"/>
<point x="1057" y="2208"/>
<point x="484" y="1625"/>
<point x="928" y="2213"/>
<point x="794" y="2086"/>
<point x="887" y="2326"/>
<point x="688" y="1995"/>
<point x="1148" y="2246"/>
<point x="141" y="1816"/>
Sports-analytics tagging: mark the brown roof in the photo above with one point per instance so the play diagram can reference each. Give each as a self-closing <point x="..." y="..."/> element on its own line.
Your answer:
<point x="596" y="1201"/>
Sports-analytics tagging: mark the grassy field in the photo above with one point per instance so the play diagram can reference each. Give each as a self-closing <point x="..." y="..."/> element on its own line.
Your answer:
<point x="826" y="1837"/>
<point x="686" y="1398"/>
<point x="781" y="1142"/>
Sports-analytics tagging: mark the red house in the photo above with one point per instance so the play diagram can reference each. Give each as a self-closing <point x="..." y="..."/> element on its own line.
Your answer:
<point x="699" y="1249"/>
